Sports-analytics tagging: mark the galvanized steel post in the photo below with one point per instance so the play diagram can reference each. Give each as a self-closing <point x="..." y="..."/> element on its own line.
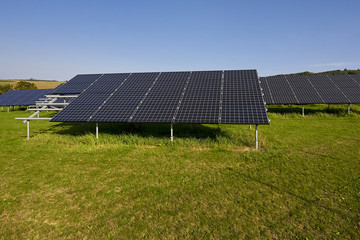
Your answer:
<point x="256" y="137"/>
<point x="303" y="111"/>
<point x="172" y="133"/>
<point x="28" y="129"/>
<point x="97" y="130"/>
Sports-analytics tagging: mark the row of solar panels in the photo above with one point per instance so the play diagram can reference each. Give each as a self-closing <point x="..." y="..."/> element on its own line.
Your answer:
<point x="173" y="97"/>
<point x="189" y="97"/>
<point x="23" y="97"/>
<point x="313" y="89"/>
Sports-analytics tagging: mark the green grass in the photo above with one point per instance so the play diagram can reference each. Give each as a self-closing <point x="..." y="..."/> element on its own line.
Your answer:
<point x="133" y="182"/>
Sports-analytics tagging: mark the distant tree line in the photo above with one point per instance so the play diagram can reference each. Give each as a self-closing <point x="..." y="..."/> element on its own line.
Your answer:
<point x="20" y="85"/>
<point x="333" y="72"/>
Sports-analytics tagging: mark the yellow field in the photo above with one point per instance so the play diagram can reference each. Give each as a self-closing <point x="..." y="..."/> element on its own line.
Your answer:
<point x="39" y="84"/>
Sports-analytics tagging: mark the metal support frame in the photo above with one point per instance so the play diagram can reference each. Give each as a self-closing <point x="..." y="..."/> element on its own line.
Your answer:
<point x="28" y="129"/>
<point x="349" y="109"/>
<point x="172" y="133"/>
<point x="303" y="111"/>
<point x="46" y="104"/>
<point x="97" y="130"/>
<point x="256" y="137"/>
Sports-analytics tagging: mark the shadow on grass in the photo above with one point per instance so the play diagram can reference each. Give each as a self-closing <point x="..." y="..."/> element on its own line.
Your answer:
<point x="158" y="130"/>
<point x="311" y="109"/>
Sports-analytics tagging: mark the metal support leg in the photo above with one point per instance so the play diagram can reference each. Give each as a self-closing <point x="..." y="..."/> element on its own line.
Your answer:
<point x="172" y="133"/>
<point x="97" y="130"/>
<point x="303" y="111"/>
<point x="28" y="129"/>
<point x="256" y="137"/>
<point x="249" y="126"/>
<point x="349" y="109"/>
<point x="8" y="109"/>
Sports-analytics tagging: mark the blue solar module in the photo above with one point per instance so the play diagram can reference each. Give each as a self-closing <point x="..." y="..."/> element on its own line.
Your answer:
<point x="23" y="97"/>
<point x="77" y="84"/>
<point x="201" y="100"/>
<point x="328" y="89"/>
<point x="355" y="77"/>
<point x="242" y="99"/>
<point x="123" y="103"/>
<point x="266" y="91"/>
<point x="172" y="97"/>
<point x="348" y="87"/>
<point x="90" y="101"/>
<point x="167" y="89"/>
<point x="281" y="91"/>
<point x="304" y="90"/>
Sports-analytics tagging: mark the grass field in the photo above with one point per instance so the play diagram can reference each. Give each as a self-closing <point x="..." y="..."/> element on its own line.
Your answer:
<point x="39" y="84"/>
<point x="304" y="182"/>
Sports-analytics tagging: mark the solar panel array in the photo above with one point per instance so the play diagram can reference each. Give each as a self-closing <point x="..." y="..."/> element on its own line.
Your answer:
<point x="170" y="97"/>
<point x="311" y="89"/>
<point x="22" y="97"/>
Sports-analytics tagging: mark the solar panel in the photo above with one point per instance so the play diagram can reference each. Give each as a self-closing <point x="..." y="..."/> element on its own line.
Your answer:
<point x="77" y="84"/>
<point x="124" y="102"/>
<point x="200" y="103"/>
<point x="348" y="86"/>
<point x="266" y="91"/>
<point x="304" y="90"/>
<point x="311" y="89"/>
<point x="22" y="97"/>
<point x="242" y="100"/>
<point x="327" y="89"/>
<point x="355" y="77"/>
<point x="89" y="102"/>
<point x="179" y="97"/>
<point x="167" y="89"/>
<point x="281" y="91"/>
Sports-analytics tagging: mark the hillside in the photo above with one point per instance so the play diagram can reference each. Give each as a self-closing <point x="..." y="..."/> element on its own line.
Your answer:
<point x="332" y="72"/>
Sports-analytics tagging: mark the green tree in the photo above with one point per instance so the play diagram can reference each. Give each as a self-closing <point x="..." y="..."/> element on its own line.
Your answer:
<point x="4" y="88"/>
<point x="23" y="85"/>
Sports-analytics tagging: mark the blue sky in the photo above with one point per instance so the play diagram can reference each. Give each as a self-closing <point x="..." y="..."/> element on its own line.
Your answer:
<point x="59" y="39"/>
